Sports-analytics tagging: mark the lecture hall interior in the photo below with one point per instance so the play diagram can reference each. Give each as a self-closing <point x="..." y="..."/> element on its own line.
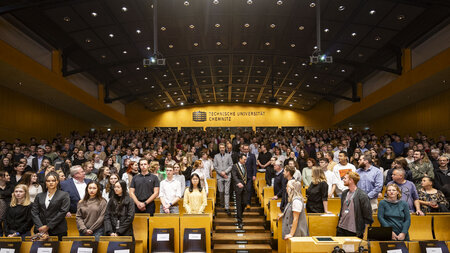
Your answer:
<point x="224" y="94"/>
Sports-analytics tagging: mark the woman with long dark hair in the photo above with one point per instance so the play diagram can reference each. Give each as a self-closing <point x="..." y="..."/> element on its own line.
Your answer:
<point x="50" y="208"/>
<point x="195" y="199"/>
<point x="108" y="190"/>
<point x="119" y="212"/>
<point x="91" y="211"/>
<point x="30" y="180"/>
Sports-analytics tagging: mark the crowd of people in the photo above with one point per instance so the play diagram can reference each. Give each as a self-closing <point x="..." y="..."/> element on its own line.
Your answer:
<point x="104" y="178"/>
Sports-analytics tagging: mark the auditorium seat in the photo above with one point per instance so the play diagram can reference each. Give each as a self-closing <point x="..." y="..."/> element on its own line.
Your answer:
<point x="72" y="229"/>
<point x="212" y="183"/>
<point x="421" y="228"/>
<point x="268" y="195"/>
<point x="281" y="241"/>
<point x="334" y="205"/>
<point x="376" y="222"/>
<point x="196" y="221"/>
<point x="140" y="228"/>
<point x="273" y="215"/>
<point x="165" y="221"/>
<point x="322" y="225"/>
<point x="441" y="227"/>
<point x="260" y="187"/>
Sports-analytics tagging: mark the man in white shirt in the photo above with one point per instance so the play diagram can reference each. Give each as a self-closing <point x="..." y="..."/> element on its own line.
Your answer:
<point x="169" y="193"/>
<point x="340" y="170"/>
<point x="76" y="187"/>
<point x="332" y="181"/>
<point x="135" y="155"/>
<point x="207" y="165"/>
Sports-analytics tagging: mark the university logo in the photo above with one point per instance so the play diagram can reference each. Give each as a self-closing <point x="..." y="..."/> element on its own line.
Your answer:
<point x="199" y="116"/>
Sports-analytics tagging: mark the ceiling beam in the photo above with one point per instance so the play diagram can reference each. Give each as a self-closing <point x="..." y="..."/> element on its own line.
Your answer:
<point x="229" y="93"/>
<point x="248" y="76"/>
<point x="230" y="76"/>
<point x="284" y="79"/>
<point x="212" y="76"/>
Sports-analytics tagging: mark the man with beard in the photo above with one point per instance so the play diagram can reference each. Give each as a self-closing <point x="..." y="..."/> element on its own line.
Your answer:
<point x="371" y="180"/>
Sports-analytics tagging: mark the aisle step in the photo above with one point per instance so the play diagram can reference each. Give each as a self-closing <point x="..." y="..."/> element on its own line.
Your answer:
<point x="235" y="229"/>
<point x="232" y="208"/>
<point x="247" y="221"/>
<point x="233" y="214"/>
<point x="241" y="238"/>
<point x="253" y="248"/>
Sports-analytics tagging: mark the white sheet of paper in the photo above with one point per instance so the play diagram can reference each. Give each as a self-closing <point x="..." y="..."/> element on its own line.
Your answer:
<point x="434" y="250"/>
<point x="44" y="250"/>
<point x="195" y="236"/>
<point x="84" y="250"/>
<point x="328" y="214"/>
<point x="122" y="251"/>
<point x="162" y="237"/>
<point x="278" y="204"/>
<point x="241" y="246"/>
<point x="3" y="250"/>
<point x="240" y="234"/>
<point x="348" y="247"/>
<point x="394" y="251"/>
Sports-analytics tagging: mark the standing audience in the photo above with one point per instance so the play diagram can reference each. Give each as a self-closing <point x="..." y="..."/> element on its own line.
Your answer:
<point x="91" y="211"/>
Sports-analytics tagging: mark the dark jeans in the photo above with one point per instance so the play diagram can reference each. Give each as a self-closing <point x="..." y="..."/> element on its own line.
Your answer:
<point x="344" y="232"/>
<point x="241" y="197"/>
<point x="150" y="208"/>
<point x="59" y="235"/>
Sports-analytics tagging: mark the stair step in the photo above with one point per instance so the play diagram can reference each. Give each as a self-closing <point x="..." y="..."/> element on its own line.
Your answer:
<point x="247" y="221"/>
<point x="233" y="229"/>
<point x="241" y="238"/>
<point x="256" y="248"/>
<point x="252" y="209"/>
<point x="246" y="214"/>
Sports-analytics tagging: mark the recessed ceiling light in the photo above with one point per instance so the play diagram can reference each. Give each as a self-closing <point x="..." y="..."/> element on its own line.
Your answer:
<point x="377" y="37"/>
<point x="326" y="30"/>
<point x="256" y="81"/>
<point x="88" y="40"/>
<point x="341" y="8"/>
<point x="163" y="28"/>
<point x="103" y="56"/>
<point x="67" y="19"/>
<point x="400" y="17"/>
<point x="278" y="73"/>
<point x="244" y="43"/>
<point x="258" y="71"/>
<point x="279" y="2"/>
<point x="181" y="103"/>
<point x="192" y="26"/>
<point x="264" y="101"/>
<point x="220" y="80"/>
<point x="315" y="77"/>
<point x="360" y="54"/>
<point x="301" y="28"/>
<point x="165" y="75"/>
<point x="152" y="86"/>
<point x="199" y="61"/>
<point x="242" y="60"/>
<point x="170" y="46"/>
<point x="249" y="1"/>
<point x="300" y="95"/>
<point x="372" y="12"/>
<point x="159" y="95"/>
<point x="202" y="72"/>
<point x="217" y="25"/>
<point x="246" y="25"/>
<point x="124" y="9"/>
<point x="124" y="52"/>
<point x="168" y="105"/>
<point x="138" y="31"/>
<point x="353" y="34"/>
<point x="312" y="5"/>
<point x="195" y="44"/>
<point x="307" y="86"/>
<point x="284" y="62"/>
<point x="262" y="61"/>
<point x="290" y="105"/>
<point x="164" y="100"/>
<point x="182" y="73"/>
<point x="292" y="45"/>
<point x="220" y="71"/>
<point x="145" y="78"/>
<point x="119" y="71"/>
<point x="186" y="3"/>
<point x="148" y="48"/>
<point x="237" y="100"/>
<point x="338" y="51"/>
<point x="138" y="68"/>
<point x="111" y="35"/>
<point x="284" y="92"/>
<point x="221" y="100"/>
<point x="219" y="60"/>
<point x="343" y="70"/>
<point x="276" y="102"/>
<point x="315" y="47"/>
<point x="290" y="83"/>
<point x="94" y="14"/>
<point x="296" y="74"/>
<point x="215" y="1"/>
<point x="218" y="43"/>
<point x="272" y="26"/>
<point x="267" y="43"/>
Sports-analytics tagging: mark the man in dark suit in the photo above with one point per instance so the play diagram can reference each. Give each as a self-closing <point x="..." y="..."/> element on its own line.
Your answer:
<point x="37" y="161"/>
<point x="75" y="186"/>
<point x="250" y="164"/>
<point x="239" y="176"/>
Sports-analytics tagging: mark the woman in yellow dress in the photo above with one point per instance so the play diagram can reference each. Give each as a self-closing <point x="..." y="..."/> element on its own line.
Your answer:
<point x="194" y="197"/>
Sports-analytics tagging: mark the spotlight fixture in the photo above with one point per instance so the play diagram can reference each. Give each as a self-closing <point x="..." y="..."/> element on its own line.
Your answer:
<point x="186" y="3"/>
<point x="249" y="2"/>
<point x="312" y="5"/>
<point x="341" y="8"/>
<point x="67" y="19"/>
<point x="400" y="17"/>
<point x="372" y="12"/>
<point x="279" y="2"/>
<point x="124" y="9"/>
<point x="94" y="14"/>
<point x="217" y="25"/>
<point x="216" y="2"/>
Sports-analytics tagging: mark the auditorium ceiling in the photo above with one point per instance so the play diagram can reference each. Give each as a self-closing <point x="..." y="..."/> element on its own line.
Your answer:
<point x="229" y="51"/>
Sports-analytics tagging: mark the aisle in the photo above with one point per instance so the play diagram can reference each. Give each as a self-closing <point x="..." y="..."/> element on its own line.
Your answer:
<point x="254" y="237"/>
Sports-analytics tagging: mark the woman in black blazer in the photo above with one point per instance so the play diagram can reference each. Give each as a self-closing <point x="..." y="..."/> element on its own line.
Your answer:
<point x="119" y="214"/>
<point x="18" y="220"/>
<point x="50" y="208"/>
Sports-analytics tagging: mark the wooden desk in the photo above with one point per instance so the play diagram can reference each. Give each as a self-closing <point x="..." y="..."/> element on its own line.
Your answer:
<point x="310" y="244"/>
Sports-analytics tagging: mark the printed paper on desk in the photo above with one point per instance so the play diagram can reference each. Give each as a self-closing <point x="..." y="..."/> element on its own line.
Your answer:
<point x="3" y="250"/>
<point x="195" y="236"/>
<point x="44" y="250"/>
<point x="394" y="251"/>
<point x="242" y="246"/>
<point x="84" y="250"/>
<point x="434" y="250"/>
<point x="240" y="234"/>
<point x="162" y="237"/>
<point x="122" y="251"/>
<point x="348" y="247"/>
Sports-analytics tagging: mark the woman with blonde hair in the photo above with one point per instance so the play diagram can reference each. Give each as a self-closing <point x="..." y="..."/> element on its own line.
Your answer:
<point x="394" y="212"/>
<point x="294" y="215"/>
<point x="18" y="221"/>
<point x="317" y="192"/>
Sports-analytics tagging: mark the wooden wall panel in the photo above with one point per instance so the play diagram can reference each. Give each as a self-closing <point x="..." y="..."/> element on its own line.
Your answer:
<point x="24" y="117"/>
